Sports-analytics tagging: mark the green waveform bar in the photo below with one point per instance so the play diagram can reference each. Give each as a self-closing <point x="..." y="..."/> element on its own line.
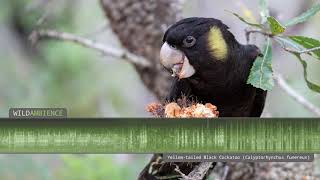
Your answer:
<point x="107" y="135"/>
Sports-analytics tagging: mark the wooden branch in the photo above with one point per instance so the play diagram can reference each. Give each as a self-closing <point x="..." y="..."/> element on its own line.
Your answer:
<point x="248" y="32"/>
<point x="106" y="50"/>
<point x="185" y="177"/>
<point x="296" y="96"/>
<point x="140" y="26"/>
<point x="306" y="51"/>
<point x="199" y="172"/>
<point x="225" y="172"/>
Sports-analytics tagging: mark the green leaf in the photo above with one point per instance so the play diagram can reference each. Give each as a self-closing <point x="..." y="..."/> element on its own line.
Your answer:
<point x="275" y="27"/>
<point x="311" y="85"/>
<point x="304" y="16"/>
<point x="307" y="43"/>
<point x="264" y="11"/>
<point x="286" y="42"/>
<point x="261" y="75"/>
<point x="245" y="21"/>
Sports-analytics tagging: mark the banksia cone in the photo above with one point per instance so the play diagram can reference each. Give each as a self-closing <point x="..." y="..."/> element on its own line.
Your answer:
<point x="183" y="109"/>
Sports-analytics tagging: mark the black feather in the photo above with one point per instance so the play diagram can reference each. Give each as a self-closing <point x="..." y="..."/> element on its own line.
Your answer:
<point x="222" y="83"/>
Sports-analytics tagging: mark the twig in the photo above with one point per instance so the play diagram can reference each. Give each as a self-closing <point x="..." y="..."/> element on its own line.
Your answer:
<point x="259" y="32"/>
<point x="291" y="92"/>
<point x="199" y="172"/>
<point x="43" y="18"/>
<point x="282" y="83"/>
<point x="185" y="177"/>
<point x="170" y="177"/>
<point x="106" y="50"/>
<point x="225" y="172"/>
<point x="305" y="51"/>
<point x="302" y="51"/>
<point x="248" y="32"/>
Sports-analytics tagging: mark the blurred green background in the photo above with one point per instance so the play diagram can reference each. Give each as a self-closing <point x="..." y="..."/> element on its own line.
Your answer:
<point x="59" y="74"/>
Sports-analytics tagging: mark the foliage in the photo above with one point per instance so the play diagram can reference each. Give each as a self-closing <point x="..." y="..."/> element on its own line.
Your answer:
<point x="96" y="167"/>
<point x="24" y="167"/>
<point x="307" y="43"/>
<point x="261" y="72"/>
<point x="264" y="11"/>
<point x="275" y="27"/>
<point x="304" y="17"/>
<point x="245" y="21"/>
<point x="70" y="167"/>
<point x="55" y="74"/>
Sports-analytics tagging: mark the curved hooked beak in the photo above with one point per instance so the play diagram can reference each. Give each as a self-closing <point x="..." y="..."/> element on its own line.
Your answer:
<point x="176" y="60"/>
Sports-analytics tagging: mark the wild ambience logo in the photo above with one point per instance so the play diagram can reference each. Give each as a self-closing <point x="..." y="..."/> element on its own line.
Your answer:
<point x="37" y="113"/>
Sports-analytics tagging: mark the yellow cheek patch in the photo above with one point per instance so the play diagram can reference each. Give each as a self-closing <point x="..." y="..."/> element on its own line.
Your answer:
<point x="217" y="44"/>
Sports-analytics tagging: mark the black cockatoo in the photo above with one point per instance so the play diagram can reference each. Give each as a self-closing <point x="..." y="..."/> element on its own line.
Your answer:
<point x="210" y="66"/>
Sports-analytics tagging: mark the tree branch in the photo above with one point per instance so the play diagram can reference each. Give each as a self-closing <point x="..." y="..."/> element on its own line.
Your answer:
<point x="184" y="177"/>
<point x="248" y="32"/>
<point x="106" y="50"/>
<point x="302" y="51"/>
<point x="199" y="172"/>
<point x="140" y="26"/>
<point x="297" y="97"/>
